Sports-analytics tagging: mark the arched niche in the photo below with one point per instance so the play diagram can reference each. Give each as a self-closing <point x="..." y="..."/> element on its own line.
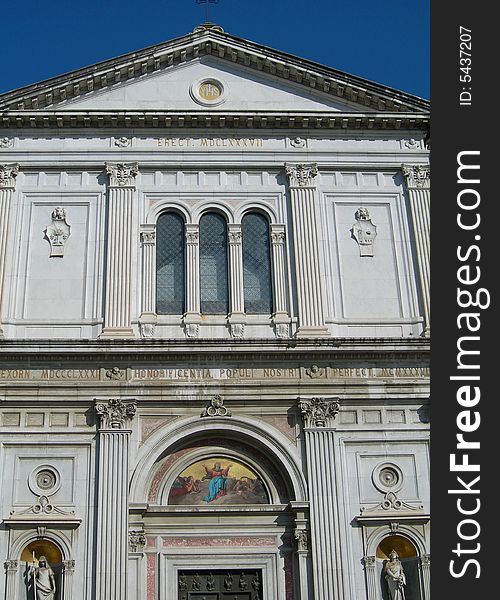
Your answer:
<point x="408" y="555"/>
<point x="41" y="554"/>
<point x="260" y="445"/>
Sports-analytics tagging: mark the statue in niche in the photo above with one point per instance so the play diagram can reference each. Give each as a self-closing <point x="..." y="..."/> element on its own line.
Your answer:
<point x="44" y="581"/>
<point x="395" y="577"/>
<point x="364" y="231"/>
<point x="228" y="582"/>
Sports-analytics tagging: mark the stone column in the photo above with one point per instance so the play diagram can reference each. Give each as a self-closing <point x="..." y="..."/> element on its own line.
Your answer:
<point x="305" y="241"/>
<point x="68" y="573"/>
<point x="237" y="317"/>
<point x="8" y="174"/>
<point x="112" y="497"/>
<point x="418" y="179"/>
<point x="425" y="561"/>
<point x="371" y="578"/>
<point x="147" y="320"/>
<point x="121" y="188"/>
<point x="319" y="415"/>
<point x="11" y="576"/>
<point x="302" y="540"/>
<point x="281" y="318"/>
<point x="192" y="317"/>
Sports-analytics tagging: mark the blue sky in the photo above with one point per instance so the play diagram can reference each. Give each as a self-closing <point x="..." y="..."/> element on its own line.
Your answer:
<point x="386" y="41"/>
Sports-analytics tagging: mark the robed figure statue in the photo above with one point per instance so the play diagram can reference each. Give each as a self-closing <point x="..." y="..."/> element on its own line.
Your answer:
<point x="395" y="577"/>
<point x="44" y="581"/>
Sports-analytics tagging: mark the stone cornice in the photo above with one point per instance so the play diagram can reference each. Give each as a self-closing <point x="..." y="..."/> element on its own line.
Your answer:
<point x="225" y="47"/>
<point x="261" y="120"/>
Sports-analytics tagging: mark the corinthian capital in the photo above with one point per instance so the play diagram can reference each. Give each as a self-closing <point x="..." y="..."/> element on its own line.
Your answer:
<point x="115" y="413"/>
<point x="417" y="176"/>
<point x="301" y="175"/>
<point x="8" y="174"/>
<point x="122" y="174"/>
<point x="319" y="412"/>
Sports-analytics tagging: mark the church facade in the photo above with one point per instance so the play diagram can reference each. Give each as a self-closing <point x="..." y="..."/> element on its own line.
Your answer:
<point x="214" y="330"/>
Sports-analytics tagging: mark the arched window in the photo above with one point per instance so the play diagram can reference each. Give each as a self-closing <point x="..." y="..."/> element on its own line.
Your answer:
<point x="170" y="264"/>
<point x="214" y="294"/>
<point x="256" y="264"/>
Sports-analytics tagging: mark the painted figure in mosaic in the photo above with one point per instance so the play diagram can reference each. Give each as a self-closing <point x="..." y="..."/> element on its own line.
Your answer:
<point x="218" y="481"/>
<point x="44" y="580"/>
<point x="395" y="577"/>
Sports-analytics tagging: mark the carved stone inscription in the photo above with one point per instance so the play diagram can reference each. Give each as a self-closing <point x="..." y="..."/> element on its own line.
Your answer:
<point x="107" y="374"/>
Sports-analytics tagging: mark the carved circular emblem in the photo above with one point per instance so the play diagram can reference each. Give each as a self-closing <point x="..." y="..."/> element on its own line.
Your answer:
<point x="387" y="477"/>
<point x="44" y="480"/>
<point x="208" y="91"/>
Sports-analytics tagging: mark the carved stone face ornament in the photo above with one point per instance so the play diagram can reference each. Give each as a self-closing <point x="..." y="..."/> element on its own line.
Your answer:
<point x="57" y="232"/>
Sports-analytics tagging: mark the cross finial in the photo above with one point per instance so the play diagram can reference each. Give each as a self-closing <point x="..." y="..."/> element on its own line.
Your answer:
<point x="207" y="4"/>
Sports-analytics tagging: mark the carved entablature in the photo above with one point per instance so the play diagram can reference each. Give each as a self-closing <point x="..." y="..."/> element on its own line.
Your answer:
<point x="115" y="413"/>
<point x="122" y="174"/>
<point x="319" y="412"/>
<point x="8" y="174"/>
<point x="57" y="232"/>
<point x="301" y="175"/>
<point x="417" y="176"/>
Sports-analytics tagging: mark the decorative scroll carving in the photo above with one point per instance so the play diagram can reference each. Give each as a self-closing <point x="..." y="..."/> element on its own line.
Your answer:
<point x="282" y="330"/>
<point x="319" y="412"/>
<point x="216" y="408"/>
<point x="425" y="560"/>
<point x="115" y="413"/>
<point x="364" y="232"/>
<point x="8" y="174"/>
<point x="301" y="538"/>
<point x="390" y="502"/>
<point x="6" y="142"/>
<point x="147" y="329"/>
<point x="298" y="142"/>
<point x="278" y="237"/>
<point x="148" y="237"/>
<point x="11" y="565"/>
<point x="192" y="237"/>
<point x="369" y="561"/>
<point x="417" y="176"/>
<point x="122" y="174"/>
<point x="57" y="232"/>
<point x="234" y="237"/>
<point x="69" y="565"/>
<point x="315" y="372"/>
<point x="237" y="330"/>
<point x="192" y="330"/>
<point x="412" y="144"/>
<point x="301" y="175"/>
<point x="115" y="373"/>
<point x="122" y="142"/>
<point x="136" y="541"/>
<point x="43" y="507"/>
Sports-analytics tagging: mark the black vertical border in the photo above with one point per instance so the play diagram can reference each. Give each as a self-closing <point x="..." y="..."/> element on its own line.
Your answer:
<point x="454" y="129"/>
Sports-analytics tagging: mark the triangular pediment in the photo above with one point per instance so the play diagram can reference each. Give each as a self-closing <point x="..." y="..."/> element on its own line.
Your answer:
<point x="174" y="76"/>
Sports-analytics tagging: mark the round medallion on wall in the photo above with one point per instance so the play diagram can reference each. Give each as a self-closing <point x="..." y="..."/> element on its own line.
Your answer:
<point x="387" y="477"/>
<point x="44" y="480"/>
<point x="208" y="91"/>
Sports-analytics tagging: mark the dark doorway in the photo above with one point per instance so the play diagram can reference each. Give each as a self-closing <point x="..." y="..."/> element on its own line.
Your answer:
<point x="223" y="584"/>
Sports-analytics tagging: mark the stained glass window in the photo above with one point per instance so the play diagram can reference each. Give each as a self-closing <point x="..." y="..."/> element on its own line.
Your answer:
<point x="256" y="264"/>
<point x="214" y="293"/>
<point x="170" y="279"/>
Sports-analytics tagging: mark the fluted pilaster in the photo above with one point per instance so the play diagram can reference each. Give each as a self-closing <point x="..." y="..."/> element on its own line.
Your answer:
<point x="425" y="561"/>
<point x="68" y="573"/>
<point x="319" y="415"/>
<point x="303" y="202"/>
<point x="237" y="297"/>
<point x="281" y="318"/>
<point x="121" y="189"/>
<point x="417" y="179"/>
<point x="148" y="246"/>
<point x="112" y="497"/>
<point x="11" y="576"/>
<point x="192" y="317"/>
<point x="8" y="174"/>
<point x="371" y="578"/>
